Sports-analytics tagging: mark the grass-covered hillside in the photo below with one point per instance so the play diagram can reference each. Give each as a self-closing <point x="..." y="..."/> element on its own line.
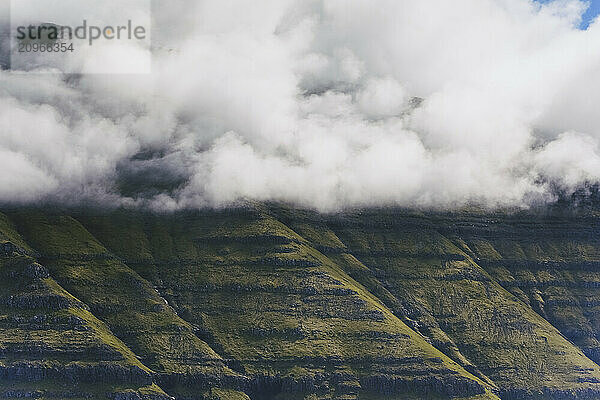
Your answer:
<point x="270" y="302"/>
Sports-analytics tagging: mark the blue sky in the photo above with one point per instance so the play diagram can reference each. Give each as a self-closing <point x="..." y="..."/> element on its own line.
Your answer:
<point x="591" y="13"/>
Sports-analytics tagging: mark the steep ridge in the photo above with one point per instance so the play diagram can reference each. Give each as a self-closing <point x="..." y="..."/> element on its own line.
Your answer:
<point x="128" y="304"/>
<point x="270" y="302"/>
<point x="427" y="280"/>
<point x="51" y="346"/>
<point x="551" y="263"/>
<point x="279" y="311"/>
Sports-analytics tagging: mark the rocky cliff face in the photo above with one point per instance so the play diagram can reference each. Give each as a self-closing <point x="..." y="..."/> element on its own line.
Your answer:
<point x="270" y="302"/>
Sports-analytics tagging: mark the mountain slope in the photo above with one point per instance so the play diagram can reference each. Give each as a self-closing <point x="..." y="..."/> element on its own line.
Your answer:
<point x="441" y="288"/>
<point x="51" y="346"/>
<point x="551" y="264"/>
<point x="270" y="302"/>
<point x="283" y="313"/>
<point x="129" y="305"/>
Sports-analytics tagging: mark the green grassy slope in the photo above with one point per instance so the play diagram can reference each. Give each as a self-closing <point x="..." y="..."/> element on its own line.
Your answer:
<point x="51" y="346"/>
<point x="551" y="264"/>
<point x="417" y="265"/>
<point x="127" y="303"/>
<point x="270" y="302"/>
<point x="278" y="310"/>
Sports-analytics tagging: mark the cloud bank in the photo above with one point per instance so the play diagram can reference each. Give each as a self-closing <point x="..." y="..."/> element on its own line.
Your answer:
<point x="326" y="104"/>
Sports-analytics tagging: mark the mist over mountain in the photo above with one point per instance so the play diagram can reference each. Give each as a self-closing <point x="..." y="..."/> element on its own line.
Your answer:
<point x="325" y="104"/>
<point x="301" y="200"/>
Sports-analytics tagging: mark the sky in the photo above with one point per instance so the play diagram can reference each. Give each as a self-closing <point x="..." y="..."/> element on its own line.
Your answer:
<point x="590" y="14"/>
<point x="327" y="104"/>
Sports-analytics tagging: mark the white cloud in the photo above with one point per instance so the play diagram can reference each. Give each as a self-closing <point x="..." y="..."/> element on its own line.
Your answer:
<point x="313" y="102"/>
